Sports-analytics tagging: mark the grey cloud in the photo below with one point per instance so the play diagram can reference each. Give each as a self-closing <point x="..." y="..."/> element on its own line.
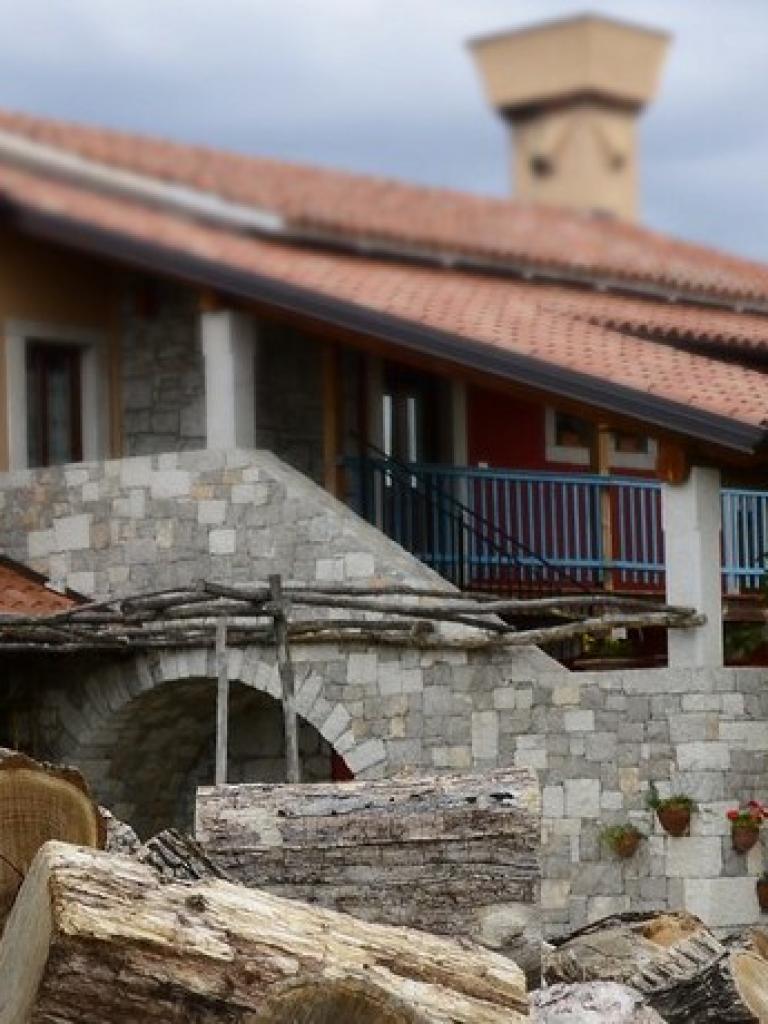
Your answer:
<point x="386" y="86"/>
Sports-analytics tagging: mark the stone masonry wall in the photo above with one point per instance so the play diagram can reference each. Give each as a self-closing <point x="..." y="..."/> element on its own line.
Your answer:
<point x="132" y="525"/>
<point x="598" y="741"/>
<point x="162" y="374"/>
<point x="129" y="525"/>
<point x="595" y="740"/>
<point x="289" y="397"/>
<point x="163" y="381"/>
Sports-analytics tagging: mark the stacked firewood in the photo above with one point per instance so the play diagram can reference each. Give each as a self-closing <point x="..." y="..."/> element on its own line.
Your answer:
<point x="97" y="926"/>
<point x="162" y="935"/>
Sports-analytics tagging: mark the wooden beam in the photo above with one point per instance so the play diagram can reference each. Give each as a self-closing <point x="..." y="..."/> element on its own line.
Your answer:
<point x="222" y="702"/>
<point x="287" y="680"/>
<point x="603" y="467"/>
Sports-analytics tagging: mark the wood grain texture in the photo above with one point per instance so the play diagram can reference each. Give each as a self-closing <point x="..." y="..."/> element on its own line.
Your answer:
<point x="95" y="938"/>
<point x="454" y="855"/>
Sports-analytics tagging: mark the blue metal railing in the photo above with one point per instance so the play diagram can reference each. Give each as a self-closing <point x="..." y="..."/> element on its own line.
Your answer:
<point x="745" y="539"/>
<point x="538" y="526"/>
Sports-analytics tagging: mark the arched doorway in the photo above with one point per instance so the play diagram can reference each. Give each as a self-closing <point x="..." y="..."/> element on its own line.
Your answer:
<point x="162" y="747"/>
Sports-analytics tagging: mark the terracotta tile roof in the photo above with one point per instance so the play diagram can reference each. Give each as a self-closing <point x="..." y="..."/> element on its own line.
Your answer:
<point x="367" y="207"/>
<point x="675" y="322"/>
<point x="541" y="323"/>
<point x="23" y="592"/>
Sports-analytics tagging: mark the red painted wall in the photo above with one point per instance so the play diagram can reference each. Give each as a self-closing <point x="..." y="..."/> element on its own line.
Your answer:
<point x="504" y="432"/>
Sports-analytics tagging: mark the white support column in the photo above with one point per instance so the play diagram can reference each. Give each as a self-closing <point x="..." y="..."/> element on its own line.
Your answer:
<point x="691" y="518"/>
<point x="229" y="350"/>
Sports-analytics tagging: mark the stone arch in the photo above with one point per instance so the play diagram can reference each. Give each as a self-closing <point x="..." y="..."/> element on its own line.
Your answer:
<point x="143" y="730"/>
<point x="346" y="1000"/>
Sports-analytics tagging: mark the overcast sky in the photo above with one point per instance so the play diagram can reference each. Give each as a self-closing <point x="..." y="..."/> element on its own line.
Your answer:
<point x="387" y="86"/>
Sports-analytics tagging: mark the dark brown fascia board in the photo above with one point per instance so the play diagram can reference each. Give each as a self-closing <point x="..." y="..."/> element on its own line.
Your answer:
<point x="536" y="373"/>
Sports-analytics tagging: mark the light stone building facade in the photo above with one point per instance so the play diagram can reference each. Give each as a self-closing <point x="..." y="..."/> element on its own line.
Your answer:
<point x="142" y="727"/>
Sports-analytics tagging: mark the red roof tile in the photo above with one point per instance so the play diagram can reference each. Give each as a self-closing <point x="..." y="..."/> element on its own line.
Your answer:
<point x="546" y="324"/>
<point x="23" y="593"/>
<point x="367" y="207"/>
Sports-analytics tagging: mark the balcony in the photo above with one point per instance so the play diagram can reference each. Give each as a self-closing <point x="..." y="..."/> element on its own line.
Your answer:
<point x="508" y="531"/>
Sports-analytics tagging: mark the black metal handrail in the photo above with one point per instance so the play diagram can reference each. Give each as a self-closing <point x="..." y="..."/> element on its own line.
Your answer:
<point x="446" y="533"/>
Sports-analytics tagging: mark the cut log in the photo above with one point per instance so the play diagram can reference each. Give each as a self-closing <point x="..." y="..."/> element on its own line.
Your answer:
<point x="94" y="937"/>
<point x="732" y="990"/>
<point x="39" y="802"/>
<point x="455" y="855"/>
<point x="592" y="1002"/>
<point x="178" y="858"/>
<point x="627" y="947"/>
<point x="674" y="961"/>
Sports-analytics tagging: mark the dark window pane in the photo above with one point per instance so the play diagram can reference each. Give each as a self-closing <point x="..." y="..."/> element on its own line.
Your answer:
<point x="573" y="432"/>
<point x="53" y="404"/>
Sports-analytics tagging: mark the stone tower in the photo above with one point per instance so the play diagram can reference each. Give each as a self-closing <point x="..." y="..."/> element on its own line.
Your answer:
<point x="571" y="92"/>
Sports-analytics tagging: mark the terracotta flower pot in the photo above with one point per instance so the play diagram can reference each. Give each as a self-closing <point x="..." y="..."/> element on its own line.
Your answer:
<point x="743" y="837"/>
<point x="626" y="845"/>
<point x="675" y="819"/>
<point x="761" y="887"/>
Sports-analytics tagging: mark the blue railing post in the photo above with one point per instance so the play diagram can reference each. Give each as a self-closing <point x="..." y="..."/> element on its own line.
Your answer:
<point x="489" y="527"/>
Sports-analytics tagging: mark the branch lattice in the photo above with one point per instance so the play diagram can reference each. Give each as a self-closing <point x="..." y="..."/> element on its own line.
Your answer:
<point x="383" y="614"/>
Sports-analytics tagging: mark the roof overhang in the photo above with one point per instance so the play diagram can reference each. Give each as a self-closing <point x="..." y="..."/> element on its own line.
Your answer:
<point x="529" y="371"/>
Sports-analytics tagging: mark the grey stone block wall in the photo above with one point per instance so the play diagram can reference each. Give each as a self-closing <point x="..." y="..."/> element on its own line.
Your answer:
<point x="162" y="382"/>
<point x="597" y="743"/>
<point x="133" y="525"/>
<point x="162" y="378"/>
<point x="130" y="525"/>
<point x="289" y="397"/>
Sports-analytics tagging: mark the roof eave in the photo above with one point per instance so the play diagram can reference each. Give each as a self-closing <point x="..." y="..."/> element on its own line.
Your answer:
<point x="660" y="412"/>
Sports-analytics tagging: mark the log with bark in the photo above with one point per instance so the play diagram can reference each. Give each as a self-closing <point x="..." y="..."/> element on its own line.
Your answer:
<point x="592" y="1002"/>
<point x="176" y="857"/>
<point x="454" y="855"/>
<point x="674" y="961"/>
<point x="95" y="937"/>
<point x="39" y="802"/>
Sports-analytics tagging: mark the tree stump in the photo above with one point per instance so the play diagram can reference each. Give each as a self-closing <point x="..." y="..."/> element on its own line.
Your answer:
<point x="674" y="961"/>
<point x="94" y="937"/>
<point x="39" y="802"/>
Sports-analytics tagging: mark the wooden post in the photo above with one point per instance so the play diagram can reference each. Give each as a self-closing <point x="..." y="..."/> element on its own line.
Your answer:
<point x="222" y="702"/>
<point x="287" y="680"/>
<point x="331" y="420"/>
<point x="606" y="507"/>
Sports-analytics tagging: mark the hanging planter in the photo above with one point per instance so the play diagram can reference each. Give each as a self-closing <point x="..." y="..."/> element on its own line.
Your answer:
<point x="674" y="812"/>
<point x="622" y="839"/>
<point x="745" y="825"/>
<point x="744" y="837"/>
<point x="761" y="887"/>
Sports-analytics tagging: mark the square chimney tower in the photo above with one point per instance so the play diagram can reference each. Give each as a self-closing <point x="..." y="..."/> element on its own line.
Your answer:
<point x="571" y="92"/>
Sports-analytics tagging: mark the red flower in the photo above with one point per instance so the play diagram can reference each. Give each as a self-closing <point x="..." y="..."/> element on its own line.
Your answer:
<point x="732" y="815"/>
